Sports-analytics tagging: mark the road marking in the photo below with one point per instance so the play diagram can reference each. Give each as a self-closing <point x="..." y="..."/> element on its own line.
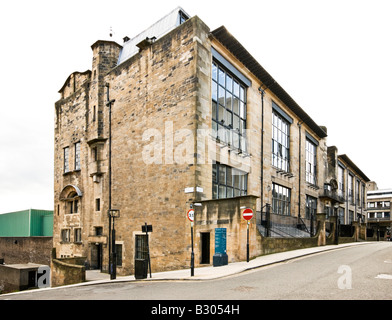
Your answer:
<point x="384" y="276"/>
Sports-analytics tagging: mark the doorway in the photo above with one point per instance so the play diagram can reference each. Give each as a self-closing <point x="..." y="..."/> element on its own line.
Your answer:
<point x="96" y="256"/>
<point x="205" y="247"/>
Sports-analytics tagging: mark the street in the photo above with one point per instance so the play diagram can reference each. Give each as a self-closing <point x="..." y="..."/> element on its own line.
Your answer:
<point x="360" y="272"/>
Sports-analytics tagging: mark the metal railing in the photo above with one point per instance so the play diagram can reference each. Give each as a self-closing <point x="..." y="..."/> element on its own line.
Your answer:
<point x="270" y="224"/>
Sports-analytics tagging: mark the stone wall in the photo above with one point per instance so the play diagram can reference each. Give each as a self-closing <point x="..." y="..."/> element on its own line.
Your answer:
<point x="15" y="250"/>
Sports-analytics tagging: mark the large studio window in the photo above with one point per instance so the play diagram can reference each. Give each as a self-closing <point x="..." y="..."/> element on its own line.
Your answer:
<point x="280" y="142"/>
<point x="228" y="107"/>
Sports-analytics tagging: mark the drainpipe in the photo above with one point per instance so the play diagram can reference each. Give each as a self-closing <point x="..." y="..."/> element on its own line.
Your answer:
<point x="299" y="169"/>
<point x="262" y="92"/>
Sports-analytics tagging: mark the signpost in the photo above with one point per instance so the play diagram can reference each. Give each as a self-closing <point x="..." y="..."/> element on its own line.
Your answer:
<point x="191" y="217"/>
<point x="220" y="257"/>
<point x="148" y="228"/>
<point x="247" y="214"/>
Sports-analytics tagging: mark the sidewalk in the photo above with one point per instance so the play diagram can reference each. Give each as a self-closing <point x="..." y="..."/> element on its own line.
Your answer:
<point x="203" y="273"/>
<point x="210" y="272"/>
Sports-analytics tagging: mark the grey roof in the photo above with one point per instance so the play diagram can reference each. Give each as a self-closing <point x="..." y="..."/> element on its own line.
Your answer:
<point x="157" y="30"/>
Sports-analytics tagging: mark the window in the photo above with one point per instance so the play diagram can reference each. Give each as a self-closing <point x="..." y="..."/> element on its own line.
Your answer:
<point x="119" y="255"/>
<point x="350" y="216"/>
<point x="98" y="231"/>
<point x="281" y="200"/>
<point x="78" y="235"/>
<point x="66" y="235"/>
<point x="97" y="204"/>
<point x="311" y="160"/>
<point x="73" y="202"/>
<point x="77" y="156"/>
<point x="357" y="192"/>
<point x="340" y="181"/>
<point x="228" y="182"/>
<point x="350" y="189"/>
<point x="228" y="108"/>
<point x="66" y="159"/>
<point x="341" y="215"/>
<point x="182" y="17"/>
<point x="363" y="195"/>
<point x="311" y="207"/>
<point x="280" y="142"/>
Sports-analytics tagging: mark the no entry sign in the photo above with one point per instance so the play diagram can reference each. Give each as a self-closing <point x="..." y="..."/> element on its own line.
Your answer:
<point x="247" y="214"/>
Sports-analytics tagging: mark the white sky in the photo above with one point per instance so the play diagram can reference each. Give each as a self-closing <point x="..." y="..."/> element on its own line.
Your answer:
<point x="334" y="57"/>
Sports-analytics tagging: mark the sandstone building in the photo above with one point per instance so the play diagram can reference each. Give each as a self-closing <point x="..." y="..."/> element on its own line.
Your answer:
<point x="194" y="119"/>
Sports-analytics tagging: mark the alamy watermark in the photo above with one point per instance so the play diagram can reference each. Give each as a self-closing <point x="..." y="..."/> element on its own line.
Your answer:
<point x="345" y="281"/>
<point x="171" y="146"/>
<point x="43" y="277"/>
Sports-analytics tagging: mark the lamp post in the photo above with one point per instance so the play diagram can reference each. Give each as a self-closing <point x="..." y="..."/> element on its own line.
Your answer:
<point x="111" y="213"/>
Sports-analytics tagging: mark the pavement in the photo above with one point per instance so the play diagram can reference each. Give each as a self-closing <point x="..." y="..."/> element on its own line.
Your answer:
<point x="207" y="273"/>
<point x="210" y="272"/>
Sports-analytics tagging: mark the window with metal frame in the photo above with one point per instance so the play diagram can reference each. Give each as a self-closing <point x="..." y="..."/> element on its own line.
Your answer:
<point x="311" y="162"/>
<point x="281" y="200"/>
<point x="311" y="207"/>
<point x="228" y="108"/>
<point x="228" y="182"/>
<point x="280" y="142"/>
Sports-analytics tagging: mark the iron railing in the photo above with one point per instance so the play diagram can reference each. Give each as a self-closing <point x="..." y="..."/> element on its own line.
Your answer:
<point x="270" y="224"/>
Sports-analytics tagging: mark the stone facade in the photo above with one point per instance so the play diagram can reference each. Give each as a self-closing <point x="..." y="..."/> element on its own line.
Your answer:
<point x="164" y="150"/>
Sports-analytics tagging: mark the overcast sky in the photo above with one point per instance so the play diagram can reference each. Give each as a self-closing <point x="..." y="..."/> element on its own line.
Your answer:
<point x="333" y="57"/>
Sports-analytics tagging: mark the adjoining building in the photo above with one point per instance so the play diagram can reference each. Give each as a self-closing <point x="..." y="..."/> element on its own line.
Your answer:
<point x="379" y="212"/>
<point x="26" y="237"/>
<point x="26" y="244"/>
<point x="177" y="116"/>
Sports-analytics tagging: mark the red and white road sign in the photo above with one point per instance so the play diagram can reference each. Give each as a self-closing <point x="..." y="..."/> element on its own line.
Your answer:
<point x="191" y="215"/>
<point x="247" y="214"/>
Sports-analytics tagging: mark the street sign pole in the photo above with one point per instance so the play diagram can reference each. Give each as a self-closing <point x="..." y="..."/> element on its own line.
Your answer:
<point x="247" y="214"/>
<point x="148" y="247"/>
<point x="190" y="215"/>
<point x="247" y="243"/>
<point x="192" y="254"/>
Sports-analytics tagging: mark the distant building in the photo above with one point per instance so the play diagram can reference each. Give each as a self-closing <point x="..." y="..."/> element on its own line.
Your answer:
<point x="27" y="223"/>
<point x="379" y="215"/>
